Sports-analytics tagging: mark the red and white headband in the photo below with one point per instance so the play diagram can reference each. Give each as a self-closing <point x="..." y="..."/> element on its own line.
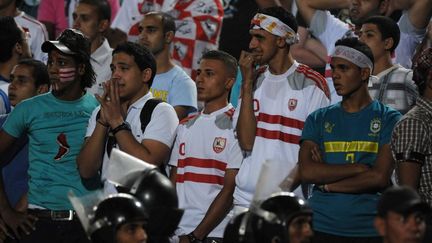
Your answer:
<point x="275" y="27"/>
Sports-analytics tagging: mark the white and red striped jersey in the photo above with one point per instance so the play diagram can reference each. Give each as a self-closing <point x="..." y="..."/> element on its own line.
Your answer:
<point x="204" y="149"/>
<point x="38" y="35"/>
<point x="281" y="105"/>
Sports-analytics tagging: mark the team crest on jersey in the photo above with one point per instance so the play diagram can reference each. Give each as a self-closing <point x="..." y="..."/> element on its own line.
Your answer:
<point x="375" y="125"/>
<point x="328" y="127"/>
<point x="292" y="104"/>
<point x="219" y="144"/>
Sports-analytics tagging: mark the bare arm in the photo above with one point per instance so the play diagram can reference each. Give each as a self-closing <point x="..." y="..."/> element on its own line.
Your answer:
<point x="219" y="207"/>
<point x="315" y="172"/>
<point x="307" y="8"/>
<point x="308" y="51"/>
<point x="90" y="158"/>
<point x="408" y="173"/>
<point x="246" y="124"/>
<point x="419" y="11"/>
<point x="377" y="178"/>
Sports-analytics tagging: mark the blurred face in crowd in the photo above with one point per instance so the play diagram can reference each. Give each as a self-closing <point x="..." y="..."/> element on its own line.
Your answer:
<point x="263" y="46"/>
<point x="398" y="228"/>
<point x="361" y="9"/>
<point x="23" y="46"/>
<point x="86" y="19"/>
<point x="131" y="233"/>
<point x="300" y="229"/>
<point x="22" y="84"/>
<point x="151" y="33"/>
<point x="371" y="36"/>
<point x="213" y="81"/>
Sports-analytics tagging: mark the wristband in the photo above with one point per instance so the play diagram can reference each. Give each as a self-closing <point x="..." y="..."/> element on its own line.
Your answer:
<point x="192" y="239"/>
<point x="123" y="126"/>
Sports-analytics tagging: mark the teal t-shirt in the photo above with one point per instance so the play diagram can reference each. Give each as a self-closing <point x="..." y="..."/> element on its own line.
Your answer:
<point x="56" y="131"/>
<point x="348" y="138"/>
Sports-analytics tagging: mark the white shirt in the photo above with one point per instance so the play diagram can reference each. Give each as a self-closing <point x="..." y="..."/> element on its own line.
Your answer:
<point x="38" y="35"/>
<point x="101" y="60"/>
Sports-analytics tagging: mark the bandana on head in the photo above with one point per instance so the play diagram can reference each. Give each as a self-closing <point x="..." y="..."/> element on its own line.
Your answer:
<point x="275" y="27"/>
<point x="354" y="56"/>
<point x="67" y="74"/>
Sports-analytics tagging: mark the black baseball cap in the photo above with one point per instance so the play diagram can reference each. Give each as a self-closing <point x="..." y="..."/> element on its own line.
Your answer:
<point x="401" y="199"/>
<point x="70" y="42"/>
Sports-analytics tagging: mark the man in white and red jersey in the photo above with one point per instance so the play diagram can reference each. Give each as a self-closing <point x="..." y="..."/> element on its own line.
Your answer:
<point x="328" y="29"/>
<point x="198" y="25"/>
<point x="206" y="155"/>
<point x="34" y="28"/>
<point x="274" y="104"/>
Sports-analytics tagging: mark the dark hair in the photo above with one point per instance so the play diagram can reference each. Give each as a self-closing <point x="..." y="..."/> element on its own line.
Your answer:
<point x="142" y="56"/>
<point x="229" y="61"/>
<point x="281" y="14"/>
<point x="388" y="28"/>
<point x="39" y="71"/>
<point x="103" y="8"/>
<point x="356" y="44"/>
<point x="168" y="22"/>
<point x="10" y="34"/>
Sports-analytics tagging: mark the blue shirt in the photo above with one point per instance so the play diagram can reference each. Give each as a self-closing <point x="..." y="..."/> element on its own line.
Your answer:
<point x="348" y="138"/>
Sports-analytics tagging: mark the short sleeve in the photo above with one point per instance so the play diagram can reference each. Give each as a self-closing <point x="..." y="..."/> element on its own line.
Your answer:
<point x="163" y="125"/>
<point x="235" y="157"/>
<point x="391" y="118"/>
<point x="311" y="130"/>
<point x="91" y="125"/>
<point x="16" y="123"/>
<point x="184" y="92"/>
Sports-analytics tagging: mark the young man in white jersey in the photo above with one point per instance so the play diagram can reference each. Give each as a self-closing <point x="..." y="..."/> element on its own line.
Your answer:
<point x="394" y="86"/>
<point x="171" y="84"/>
<point x="206" y="155"/>
<point x="274" y="104"/>
<point x="92" y="17"/>
<point x="38" y="33"/>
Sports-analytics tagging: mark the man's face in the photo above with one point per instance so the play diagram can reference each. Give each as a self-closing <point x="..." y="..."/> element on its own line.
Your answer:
<point x="212" y="81"/>
<point x="151" y="34"/>
<point x="397" y="228"/>
<point x="131" y="233"/>
<point x="361" y="9"/>
<point x="300" y="229"/>
<point x="347" y="77"/>
<point x="86" y="19"/>
<point x="129" y="77"/>
<point x="22" y="85"/>
<point x="262" y="45"/>
<point x="371" y="36"/>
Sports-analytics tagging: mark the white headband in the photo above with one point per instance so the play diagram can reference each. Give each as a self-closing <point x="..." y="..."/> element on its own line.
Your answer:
<point x="275" y="26"/>
<point x="354" y="56"/>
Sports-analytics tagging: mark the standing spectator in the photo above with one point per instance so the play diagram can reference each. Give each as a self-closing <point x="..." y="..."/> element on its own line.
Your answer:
<point x="92" y="17"/>
<point x="206" y="155"/>
<point x="274" y="104"/>
<point x="28" y="78"/>
<point x="55" y="125"/>
<point x="117" y="122"/>
<point x="171" y="84"/>
<point x="198" y="24"/>
<point x="394" y="86"/>
<point x="36" y="30"/>
<point x="327" y="28"/>
<point x="401" y="216"/>
<point x="56" y="15"/>
<point x="15" y="47"/>
<point x="412" y="137"/>
<point x="345" y="151"/>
